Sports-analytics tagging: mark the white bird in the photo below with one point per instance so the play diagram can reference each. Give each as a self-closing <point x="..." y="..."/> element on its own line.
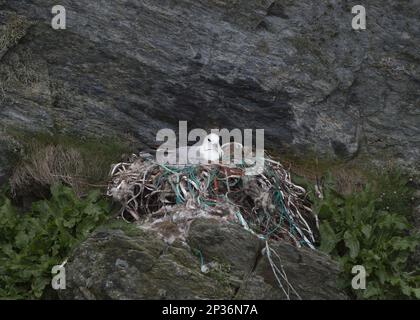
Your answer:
<point x="208" y="151"/>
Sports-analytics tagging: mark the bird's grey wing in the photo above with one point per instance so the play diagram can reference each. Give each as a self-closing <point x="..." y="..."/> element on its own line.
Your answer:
<point x="194" y="155"/>
<point x="175" y="156"/>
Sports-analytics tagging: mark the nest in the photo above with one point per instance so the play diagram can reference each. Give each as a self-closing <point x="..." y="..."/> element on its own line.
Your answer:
<point x="269" y="204"/>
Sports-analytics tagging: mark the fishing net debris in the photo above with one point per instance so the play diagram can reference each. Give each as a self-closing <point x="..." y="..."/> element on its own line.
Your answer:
<point x="268" y="204"/>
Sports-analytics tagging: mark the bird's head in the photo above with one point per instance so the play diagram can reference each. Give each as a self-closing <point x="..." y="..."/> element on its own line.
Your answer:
<point x="212" y="139"/>
<point x="211" y="142"/>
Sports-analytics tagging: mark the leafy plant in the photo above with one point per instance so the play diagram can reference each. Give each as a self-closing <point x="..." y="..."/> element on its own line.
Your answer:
<point x="32" y="243"/>
<point x="370" y="228"/>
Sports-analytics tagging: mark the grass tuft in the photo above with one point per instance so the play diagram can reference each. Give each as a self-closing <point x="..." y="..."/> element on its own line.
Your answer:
<point x="76" y="162"/>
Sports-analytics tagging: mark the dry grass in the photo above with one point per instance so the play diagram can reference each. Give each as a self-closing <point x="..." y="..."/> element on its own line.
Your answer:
<point x="81" y="163"/>
<point x="48" y="166"/>
<point x="349" y="180"/>
<point x="349" y="177"/>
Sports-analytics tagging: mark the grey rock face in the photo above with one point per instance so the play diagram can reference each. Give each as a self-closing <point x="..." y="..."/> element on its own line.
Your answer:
<point x="126" y="262"/>
<point x="294" y="68"/>
<point x="312" y="275"/>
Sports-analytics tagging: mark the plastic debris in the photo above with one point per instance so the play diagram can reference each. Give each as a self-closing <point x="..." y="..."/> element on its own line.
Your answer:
<point x="268" y="204"/>
<point x="166" y="199"/>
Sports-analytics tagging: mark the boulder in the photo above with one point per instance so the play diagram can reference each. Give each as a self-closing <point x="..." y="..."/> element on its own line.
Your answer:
<point x="121" y="261"/>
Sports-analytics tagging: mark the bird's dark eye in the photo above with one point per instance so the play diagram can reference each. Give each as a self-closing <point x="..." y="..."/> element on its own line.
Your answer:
<point x="209" y="140"/>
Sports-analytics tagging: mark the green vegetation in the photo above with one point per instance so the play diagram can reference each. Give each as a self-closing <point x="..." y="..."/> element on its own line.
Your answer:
<point x="31" y="243"/>
<point x="63" y="169"/>
<point x="370" y="228"/>
<point x="221" y="273"/>
<point x="364" y="217"/>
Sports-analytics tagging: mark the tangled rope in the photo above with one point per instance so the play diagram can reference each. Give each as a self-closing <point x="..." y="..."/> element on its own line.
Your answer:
<point x="269" y="204"/>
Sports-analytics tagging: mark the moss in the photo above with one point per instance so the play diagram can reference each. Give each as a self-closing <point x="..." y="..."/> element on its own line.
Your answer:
<point x="182" y="256"/>
<point x="306" y="45"/>
<point x="220" y="273"/>
<point x="130" y="229"/>
<point x="15" y="29"/>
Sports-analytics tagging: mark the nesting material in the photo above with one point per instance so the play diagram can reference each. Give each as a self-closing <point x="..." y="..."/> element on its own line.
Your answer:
<point x="173" y="222"/>
<point x="269" y="204"/>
